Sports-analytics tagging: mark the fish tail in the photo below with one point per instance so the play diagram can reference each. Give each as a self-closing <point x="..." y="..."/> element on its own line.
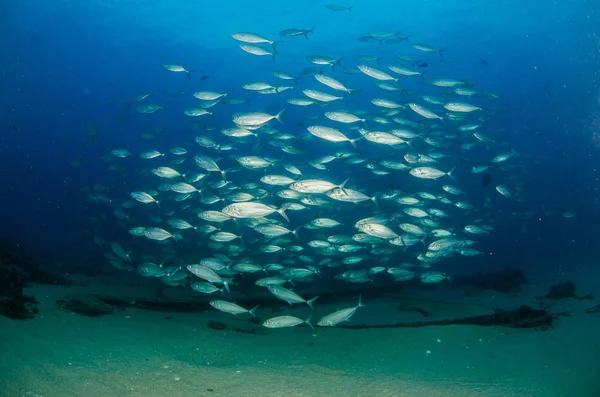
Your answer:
<point x="450" y="173"/>
<point x="343" y="186"/>
<point x="310" y="302"/>
<point x="295" y="232"/>
<point x="375" y="200"/>
<point x="441" y="53"/>
<point x="307" y="321"/>
<point x="226" y="285"/>
<point x="278" y="115"/>
<point x="360" y="304"/>
<point x="282" y="211"/>
<point x="251" y="311"/>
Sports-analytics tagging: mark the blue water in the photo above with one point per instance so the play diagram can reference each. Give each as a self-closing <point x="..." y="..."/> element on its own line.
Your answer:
<point x="69" y="64"/>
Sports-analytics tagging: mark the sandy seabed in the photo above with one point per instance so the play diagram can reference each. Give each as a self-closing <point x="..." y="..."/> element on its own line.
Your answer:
<point x="142" y="353"/>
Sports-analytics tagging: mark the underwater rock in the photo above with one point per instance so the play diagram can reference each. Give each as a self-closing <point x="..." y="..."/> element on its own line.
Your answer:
<point x="508" y="280"/>
<point x="13" y="303"/>
<point x="523" y="317"/>
<point x="90" y="306"/>
<point x="562" y="290"/>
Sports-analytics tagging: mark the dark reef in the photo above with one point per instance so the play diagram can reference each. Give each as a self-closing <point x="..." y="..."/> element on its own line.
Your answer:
<point x="13" y="303"/>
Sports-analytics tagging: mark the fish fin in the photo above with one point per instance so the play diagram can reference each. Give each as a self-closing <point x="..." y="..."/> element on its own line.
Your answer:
<point x="353" y="142"/>
<point x="278" y="115"/>
<point x="450" y="173"/>
<point x="375" y="200"/>
<point x="307" y="321"/>
<point x="226" y="285"/>
<point x="251" y="311"/>
<point x="275" y="53"/>
<point x="310" y="302"/>
<point x="295" y="232"/>
<point x="282" y="211"/>
<point x="343" y="186"/>
<point x="360" y="304"/>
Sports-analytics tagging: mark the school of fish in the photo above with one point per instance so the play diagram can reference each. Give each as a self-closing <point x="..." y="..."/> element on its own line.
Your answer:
<point x="357" y="173"/>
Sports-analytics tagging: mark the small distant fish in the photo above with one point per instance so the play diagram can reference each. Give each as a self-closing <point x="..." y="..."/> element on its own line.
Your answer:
<point x="296" y="32"/>
<point x="172" y="67"/>
<point x="336" y="7"/>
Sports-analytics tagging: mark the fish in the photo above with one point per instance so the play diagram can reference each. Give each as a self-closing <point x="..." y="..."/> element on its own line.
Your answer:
<point x="430" y="173"/>
<point x="422" y="111"/>
<point x="330" y="134"/>
<point x="254" y="119"/>
<point x="290" y="296"/>
<point x="258" y="51"/>
<point x="286" y="322"/>
<point x="321" y="96"/>
<point x="331" y="83"/>
<point x="292" y="32"/>
<point x="315" y="186"/>
<point x="333" y="319"/>
<point x="461" y="107"/>
<point x="232" y="308"/>
<point x="336" y="7"/>
<point x="433" y="277"/>
<point x="249" y="210"/>
<point x="376" y="73"/>
<point x="173" y="67"/>
<point x="251" y="38"/>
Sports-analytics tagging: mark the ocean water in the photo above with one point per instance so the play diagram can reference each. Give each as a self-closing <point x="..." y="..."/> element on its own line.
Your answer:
<point x="511" y="86"/>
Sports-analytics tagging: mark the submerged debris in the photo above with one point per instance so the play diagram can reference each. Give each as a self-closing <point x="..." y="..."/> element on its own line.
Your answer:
<point x="523" y="317"/>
